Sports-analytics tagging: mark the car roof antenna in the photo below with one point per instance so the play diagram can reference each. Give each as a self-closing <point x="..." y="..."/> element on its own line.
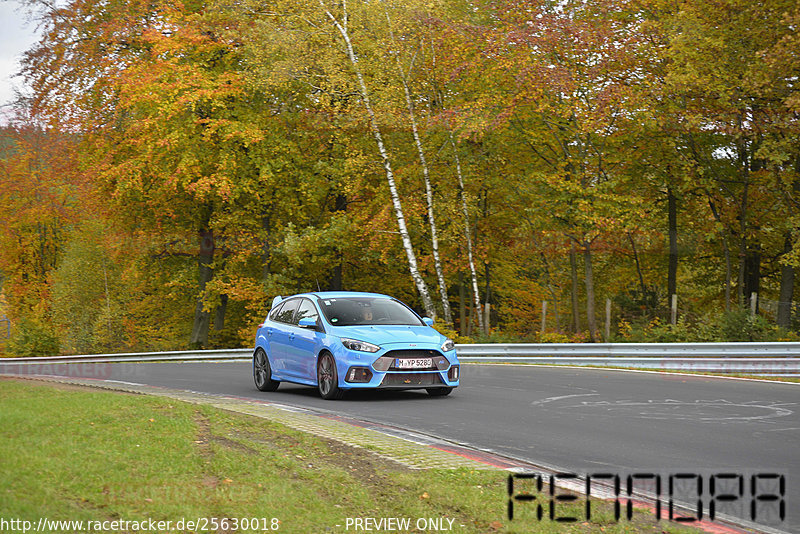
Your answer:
<point x="318" y="289"/>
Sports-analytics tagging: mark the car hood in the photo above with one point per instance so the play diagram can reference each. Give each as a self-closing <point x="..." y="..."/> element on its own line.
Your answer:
<point x="391" y="334"/>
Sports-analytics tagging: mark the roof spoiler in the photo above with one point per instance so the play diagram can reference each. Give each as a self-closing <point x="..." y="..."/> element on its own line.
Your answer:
<point x="277" y="300"/>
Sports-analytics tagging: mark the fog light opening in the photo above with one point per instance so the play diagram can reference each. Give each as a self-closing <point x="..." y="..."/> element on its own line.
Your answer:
<point x="453" y="373"/>
<point x="358" y="374"/>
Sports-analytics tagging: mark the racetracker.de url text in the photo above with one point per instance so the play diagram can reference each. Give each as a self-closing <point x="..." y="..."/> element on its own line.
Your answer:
<point x="200" y="524"/>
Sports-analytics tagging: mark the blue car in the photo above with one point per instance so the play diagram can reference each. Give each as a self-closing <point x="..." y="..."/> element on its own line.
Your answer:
<point x="340" y="341"/>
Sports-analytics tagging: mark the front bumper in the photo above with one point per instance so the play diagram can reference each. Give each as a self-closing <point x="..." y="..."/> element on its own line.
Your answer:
<point x="382" y="372"/>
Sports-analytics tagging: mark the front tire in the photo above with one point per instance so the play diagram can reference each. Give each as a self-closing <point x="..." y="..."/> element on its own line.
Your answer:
<point x="262" y="372"/>
<point x="328" y="378"/>
<point x="439" y="392"/>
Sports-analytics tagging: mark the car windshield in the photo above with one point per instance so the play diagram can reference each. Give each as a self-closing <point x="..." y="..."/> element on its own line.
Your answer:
<point x="353" y="311"/>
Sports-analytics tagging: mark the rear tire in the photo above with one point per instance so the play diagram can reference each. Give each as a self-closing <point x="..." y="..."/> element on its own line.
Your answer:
<point x="328" y="378"/>
<point x="262" y="372"/>
<point x="439" y="392"/>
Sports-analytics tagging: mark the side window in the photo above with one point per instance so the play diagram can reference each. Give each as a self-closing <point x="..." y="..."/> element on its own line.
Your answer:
<point x="275" y="311"/>
<point x="286" y="313"/>
<point x="306" y="309"/>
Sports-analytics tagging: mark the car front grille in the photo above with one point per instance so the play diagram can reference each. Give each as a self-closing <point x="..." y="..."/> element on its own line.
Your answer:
<point x="387" y="361"/>
<point x="411" y="380"/>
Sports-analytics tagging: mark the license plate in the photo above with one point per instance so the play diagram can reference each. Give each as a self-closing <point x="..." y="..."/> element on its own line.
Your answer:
<point x="413" y="363"/>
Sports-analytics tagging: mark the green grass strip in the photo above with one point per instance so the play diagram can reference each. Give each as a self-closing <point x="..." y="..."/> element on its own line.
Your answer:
<point x="70" y="453"/>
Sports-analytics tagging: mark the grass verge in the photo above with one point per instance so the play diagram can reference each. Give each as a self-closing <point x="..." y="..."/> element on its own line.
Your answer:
<point x="71" y="453"/>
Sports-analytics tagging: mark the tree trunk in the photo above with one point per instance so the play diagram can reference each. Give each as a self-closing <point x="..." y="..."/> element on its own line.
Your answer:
<point x="573" y="264"/>
<point x="202" y="318"/>
<point x="642" y="286"/>
<point x="336" y="282"/>
<point x="427" y="303"/>
<point x="437" y="263"/>
<point x="743" y="296"/>
<point x="587" y="259"/>
<point x="787" y="271"/>
<point x="787" y="287"/>
<point x="550" y="290"/>
<point x="740" y="280"/>
<point x="467" y="232"/>
<point x="752" y="279"/>
<point x="219" y="317"/>
<point x="727" y="252"/>
<point x="672" y="224"/>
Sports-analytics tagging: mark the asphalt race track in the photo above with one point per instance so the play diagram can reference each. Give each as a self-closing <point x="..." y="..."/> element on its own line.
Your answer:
<point x="583" y="421"/>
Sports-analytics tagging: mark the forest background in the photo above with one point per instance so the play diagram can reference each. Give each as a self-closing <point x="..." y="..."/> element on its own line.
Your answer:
<point x="181" y="163"/>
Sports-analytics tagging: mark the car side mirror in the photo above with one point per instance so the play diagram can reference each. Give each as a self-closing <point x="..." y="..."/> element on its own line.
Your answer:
<point x="307" y="322"/>
<point x="428" y="321"/>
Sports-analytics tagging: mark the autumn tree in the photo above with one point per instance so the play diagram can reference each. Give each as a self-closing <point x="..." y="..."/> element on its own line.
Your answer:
<point x="168" y="119"/>
<point x="734" y="118"/>
<point x="568" y="68"/>
<point x="40" y="196"/>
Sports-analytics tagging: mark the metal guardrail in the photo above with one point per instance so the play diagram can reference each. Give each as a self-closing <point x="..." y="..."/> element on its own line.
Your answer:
<point x="727" y="358"/>
<point x="635" y="350"/>
<point x="747" y="366"/>
<point x="186" y="356"/>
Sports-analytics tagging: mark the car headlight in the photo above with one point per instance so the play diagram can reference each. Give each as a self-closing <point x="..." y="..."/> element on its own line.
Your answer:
<point x="361" y="346"/>
<point x="448" y="345"/>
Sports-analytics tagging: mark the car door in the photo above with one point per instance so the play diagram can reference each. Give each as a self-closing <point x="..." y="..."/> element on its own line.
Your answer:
<point x="302" y="355"/>
<point x="279" y="338"/>
<point x="265" y="336"/>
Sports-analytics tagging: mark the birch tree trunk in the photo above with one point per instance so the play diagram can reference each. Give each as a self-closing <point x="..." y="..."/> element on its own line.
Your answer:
<point x="468" y="234"/>
<point x="427" y="303"/>
<point x="448" y="316"/>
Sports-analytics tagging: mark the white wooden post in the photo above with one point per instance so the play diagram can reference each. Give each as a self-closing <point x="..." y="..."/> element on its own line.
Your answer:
<point x="544" y="315"/>
<point x="673" y="315"/>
